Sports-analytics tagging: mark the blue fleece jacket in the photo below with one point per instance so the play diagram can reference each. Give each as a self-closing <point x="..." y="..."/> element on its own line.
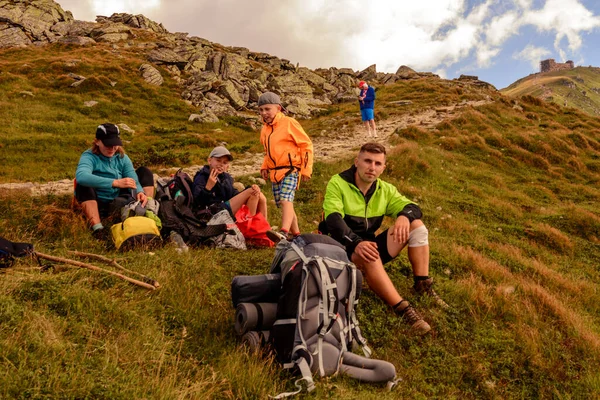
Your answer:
<point x="99" y="172"/>
<point x="369" y="101"/>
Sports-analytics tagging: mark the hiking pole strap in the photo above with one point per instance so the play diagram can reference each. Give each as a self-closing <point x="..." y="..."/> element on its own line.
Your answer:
<point x="306" y="377"/>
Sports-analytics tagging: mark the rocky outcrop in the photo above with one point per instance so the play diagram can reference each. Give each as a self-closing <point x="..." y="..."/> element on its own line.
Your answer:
<point x="24" y="22"/>
<point x="218" y="80"/>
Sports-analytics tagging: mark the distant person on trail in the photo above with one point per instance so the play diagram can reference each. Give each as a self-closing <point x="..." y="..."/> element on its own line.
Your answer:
<point x="366" y="100"/>
<point x="106" y="180"/>
<point x="355" y="204"/>
<point x="288" y="158"/>
<point x="213" y="184"/>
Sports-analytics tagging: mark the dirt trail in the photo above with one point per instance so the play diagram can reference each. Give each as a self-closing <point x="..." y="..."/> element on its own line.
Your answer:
<point x="331" y="147"/>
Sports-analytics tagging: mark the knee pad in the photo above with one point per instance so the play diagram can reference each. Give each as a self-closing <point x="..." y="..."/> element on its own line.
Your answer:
<point x="418" y="237"/>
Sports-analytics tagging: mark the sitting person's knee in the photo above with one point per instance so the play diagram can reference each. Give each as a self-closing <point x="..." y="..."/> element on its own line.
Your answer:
<point x="418" y="236"/>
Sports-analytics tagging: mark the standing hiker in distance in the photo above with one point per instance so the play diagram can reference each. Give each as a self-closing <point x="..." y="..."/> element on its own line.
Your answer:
<point x="105" y="179"/>
<point x="288" y="158"/>
<point x="366" y="100"/>
<point x="355" y="204"/>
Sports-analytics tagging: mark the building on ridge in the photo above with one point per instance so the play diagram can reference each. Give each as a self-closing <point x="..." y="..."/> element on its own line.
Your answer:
<point x="550" y="65"/>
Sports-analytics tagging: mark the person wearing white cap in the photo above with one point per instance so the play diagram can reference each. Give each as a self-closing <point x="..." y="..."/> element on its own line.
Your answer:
<point x="288" y="158"/>
<point x="213" y="184"/>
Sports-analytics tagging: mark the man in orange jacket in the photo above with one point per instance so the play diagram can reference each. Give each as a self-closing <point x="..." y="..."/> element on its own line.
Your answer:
<point x="288" y="158"/>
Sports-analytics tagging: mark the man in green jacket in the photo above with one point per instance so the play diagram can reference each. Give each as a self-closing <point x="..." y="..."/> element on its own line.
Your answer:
<point x="355" y="204"/>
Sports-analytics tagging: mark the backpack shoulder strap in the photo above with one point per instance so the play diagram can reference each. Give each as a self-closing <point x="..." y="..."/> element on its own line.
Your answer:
<point x="184" y="179"/>
<point x="306" y="377"/>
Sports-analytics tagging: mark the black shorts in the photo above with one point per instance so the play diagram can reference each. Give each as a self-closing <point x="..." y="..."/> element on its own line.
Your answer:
<point x="107" y="208"/>
<point x="382" y="247"/>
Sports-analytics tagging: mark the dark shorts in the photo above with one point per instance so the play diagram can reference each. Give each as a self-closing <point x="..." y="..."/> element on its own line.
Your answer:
<point x="106" y="208"/>
<point x="381" y="241"/>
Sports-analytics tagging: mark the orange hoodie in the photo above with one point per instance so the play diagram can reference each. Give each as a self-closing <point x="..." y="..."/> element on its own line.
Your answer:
<point x="287" y="148"/>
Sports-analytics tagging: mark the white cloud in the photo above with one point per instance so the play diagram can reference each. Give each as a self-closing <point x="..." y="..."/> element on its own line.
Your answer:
<point x="567" y="18"/>
<point x="425" y="35"/>
<point x="533" y="55"/>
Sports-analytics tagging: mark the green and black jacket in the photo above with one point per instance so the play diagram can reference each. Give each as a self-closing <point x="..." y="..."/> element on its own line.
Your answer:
<point x="352" y="217"/>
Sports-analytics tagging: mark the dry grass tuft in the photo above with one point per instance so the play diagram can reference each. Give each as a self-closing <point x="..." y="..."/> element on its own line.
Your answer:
<point x="59" y="222"/>
<point x="550" y="237"/>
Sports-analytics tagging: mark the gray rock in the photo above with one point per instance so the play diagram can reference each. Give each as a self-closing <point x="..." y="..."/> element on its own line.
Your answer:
<point x="34" y="17"/>
<point x="405" y="72"/>
<point x="78" y="40"/>
<point x="90" y="103"/>
<point x="111" y="33"/>
<point x="205" y="116"/>
<point x="166" y="56"/>
<point x="151" y="75"/>
<point x="12" y="36"/>
<point x="137" y="21"/>
<point x="126" y="128"/>
<point x="229" y="91"/>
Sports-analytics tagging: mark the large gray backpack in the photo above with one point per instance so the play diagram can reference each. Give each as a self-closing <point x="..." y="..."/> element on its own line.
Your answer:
<point x="313" y="327"/>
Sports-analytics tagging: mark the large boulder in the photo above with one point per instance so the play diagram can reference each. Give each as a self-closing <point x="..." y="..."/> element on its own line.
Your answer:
<point x="290" y="84"/>
<point x="229" y="91"/>
<point x="151" y="75"/>
<point x="11" y="36"/>
<point x="111" y="33"/>
<point x="167" y="56"/>
<point x="33" y="17"/>
<point x="405" y="72"/>
<point x="73" y="28"/>
<point x="137" y="21"/>
<point x="368" y="74"/>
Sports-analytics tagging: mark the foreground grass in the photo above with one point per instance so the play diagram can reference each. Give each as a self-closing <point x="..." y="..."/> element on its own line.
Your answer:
<point x="510" y="199"/>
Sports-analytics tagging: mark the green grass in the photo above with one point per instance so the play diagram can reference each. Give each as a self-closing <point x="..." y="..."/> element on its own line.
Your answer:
<point x="576" y="88"/>
<point x="510" y="198"/>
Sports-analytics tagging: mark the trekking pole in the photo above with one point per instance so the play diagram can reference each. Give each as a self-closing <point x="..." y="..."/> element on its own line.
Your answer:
<point x="113" y="262"/>
<point x="93" y="268"/>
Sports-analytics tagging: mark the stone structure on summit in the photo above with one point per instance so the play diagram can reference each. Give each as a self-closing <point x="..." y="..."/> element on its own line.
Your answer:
<point x="550" y="65"/>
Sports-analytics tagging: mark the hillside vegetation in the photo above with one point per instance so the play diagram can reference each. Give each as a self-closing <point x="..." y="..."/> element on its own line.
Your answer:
<point x="509" y="192"/>
<point x="577" y="88"/>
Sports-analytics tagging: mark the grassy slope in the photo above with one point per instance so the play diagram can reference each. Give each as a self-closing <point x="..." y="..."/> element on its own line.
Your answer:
<point x="563" y="87"/>
<point x="54" y="121"/>
<point x="510" y="198"/>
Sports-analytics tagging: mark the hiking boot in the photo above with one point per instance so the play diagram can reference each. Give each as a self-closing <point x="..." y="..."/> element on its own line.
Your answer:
<point x="426" y="288"/>
<point x="408" y="313"/>
<point x="101" y="234"/>
<point x="276" y="237"/>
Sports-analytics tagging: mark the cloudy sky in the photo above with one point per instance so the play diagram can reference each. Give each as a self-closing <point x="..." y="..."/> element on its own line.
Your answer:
<point x="498" y="40"/>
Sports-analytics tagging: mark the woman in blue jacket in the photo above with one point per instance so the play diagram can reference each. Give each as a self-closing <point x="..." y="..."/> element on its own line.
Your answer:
<point x="366" y="99"/>
<point x="106" y="180"/>
<point x="213" y="185"/>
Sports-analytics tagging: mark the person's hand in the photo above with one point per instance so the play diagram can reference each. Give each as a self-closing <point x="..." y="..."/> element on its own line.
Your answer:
<point x="124" y="183"/>
<point x="305" y="178"/>
<point x="264" y="173"/>
<point x="212" y="179"/>
<point x="142" y="198"/>
<point x="367" y="251"/>
<point x="255" y="190"/>
<point x="401" y="229"/>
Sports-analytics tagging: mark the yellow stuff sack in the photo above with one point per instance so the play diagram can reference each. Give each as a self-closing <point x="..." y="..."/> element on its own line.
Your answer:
<point x="134" y="232"/>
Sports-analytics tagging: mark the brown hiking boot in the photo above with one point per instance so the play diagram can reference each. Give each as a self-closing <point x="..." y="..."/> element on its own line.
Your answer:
<point x="408" y="313"/>
<point x="426" y="288"/>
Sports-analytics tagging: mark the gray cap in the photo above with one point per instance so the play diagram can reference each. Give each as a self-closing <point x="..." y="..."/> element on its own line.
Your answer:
<point x="269" y="98"/>
<point x="220" y="151"/>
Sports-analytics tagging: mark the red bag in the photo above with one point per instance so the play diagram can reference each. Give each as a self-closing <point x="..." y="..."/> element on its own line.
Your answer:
<point x="253" y="227"/>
